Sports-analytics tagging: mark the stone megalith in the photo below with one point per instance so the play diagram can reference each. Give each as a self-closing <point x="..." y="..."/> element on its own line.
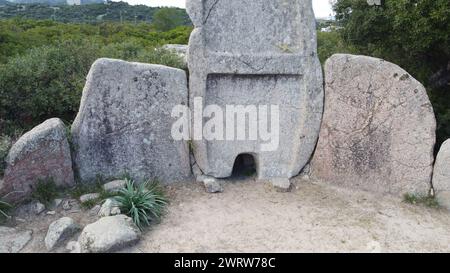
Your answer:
<point x="124" y="123"/>
<point x="256" y="53"/>
<point x="41" y="153"/>
<point x="378" y="128"/>
<point x="441" y="175"/>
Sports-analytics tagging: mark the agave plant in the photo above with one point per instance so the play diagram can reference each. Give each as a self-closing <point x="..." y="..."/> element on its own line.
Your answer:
<point x="144" y="203"/>
<point x="3" y="207"/>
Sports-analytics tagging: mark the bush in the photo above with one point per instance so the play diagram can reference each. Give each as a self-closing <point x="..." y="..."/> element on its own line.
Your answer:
<point x="132" y="51"/>
<point x="44" y="83"/>
<point x="144" y="203"/>
<point x="44" y="64"/>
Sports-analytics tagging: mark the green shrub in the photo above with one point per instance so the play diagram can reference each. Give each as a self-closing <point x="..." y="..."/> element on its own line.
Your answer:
<point x="133" y="51"/>
<point x="144" y="203"/>
<point x="426" y="200"/>
<point x="45" y="191"/>
<point x="45" y="82"/>
<point x="5" y="145"/>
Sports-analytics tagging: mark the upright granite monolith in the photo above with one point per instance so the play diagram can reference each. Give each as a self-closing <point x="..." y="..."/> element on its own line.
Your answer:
<point x="378" y="128"/>
<point x="257" y="53"/>
<point x="124" y="123"/>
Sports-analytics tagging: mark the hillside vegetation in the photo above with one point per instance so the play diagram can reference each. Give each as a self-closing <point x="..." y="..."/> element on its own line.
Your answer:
<point x="92" y="13"/>
<point x="43" y="64"/>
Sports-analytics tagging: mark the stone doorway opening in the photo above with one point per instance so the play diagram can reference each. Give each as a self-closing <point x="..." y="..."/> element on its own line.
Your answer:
<point x="244" y="166"/>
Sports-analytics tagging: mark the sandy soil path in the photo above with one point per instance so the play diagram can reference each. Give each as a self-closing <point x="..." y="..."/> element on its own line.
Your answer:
<point x="250" y="216"/>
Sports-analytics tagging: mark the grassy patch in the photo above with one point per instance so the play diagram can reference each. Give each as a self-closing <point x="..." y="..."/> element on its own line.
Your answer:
<point x="144" y="203"/>
<point x="45" y="191"/>
<point x="425" y="200"/>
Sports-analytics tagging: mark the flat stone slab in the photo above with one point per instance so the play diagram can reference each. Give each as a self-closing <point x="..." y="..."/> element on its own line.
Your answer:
<point x="378" y="128"/>
<point x="124" y="123"/>
<point x="257" y="53"/>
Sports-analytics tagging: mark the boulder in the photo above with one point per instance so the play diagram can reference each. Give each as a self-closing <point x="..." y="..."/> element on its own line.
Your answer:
<point x="109" y="234"/>
<point x="259" y="55"/>
<point x="13" y="240"/>
<point x="441" y="175"/>
<point x="41" y="153"/>
<point x="124" y="123"/>
<point x="59" y="231"/>
<point x="378" y="128"/>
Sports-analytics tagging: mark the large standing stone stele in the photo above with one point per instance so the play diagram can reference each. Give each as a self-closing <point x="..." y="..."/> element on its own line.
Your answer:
<point x="441" y="175"/>
<point x="41" y="153"/>
<point x="124" y="123"/>
<point x="378" y="128"/>
<point x="257" y="52"/>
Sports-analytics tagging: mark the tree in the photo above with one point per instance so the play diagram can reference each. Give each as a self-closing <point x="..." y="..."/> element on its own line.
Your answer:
<point x="168" y="18"/>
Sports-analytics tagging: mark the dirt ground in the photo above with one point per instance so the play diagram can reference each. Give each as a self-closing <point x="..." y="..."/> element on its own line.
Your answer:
<point x="250" y="216"/>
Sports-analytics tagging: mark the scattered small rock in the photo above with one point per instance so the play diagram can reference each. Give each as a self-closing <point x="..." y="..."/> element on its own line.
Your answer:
<point x="89" y="197"/>
<point x="52" y="212"/>
<point x="38" y="208"/>
<point x="95" y="210"/>
<point x="109" y="208"/>
<point x="109" y="234"/>
<point x="114" y="186"/>
<point x="12" y="240"/>
<point x="56" y="203"/>
<point x="66" y="205"/>
<point x="73" y="247"/>
<point x="59" y="231"/>
<point x="20" y="220"/>
<point x="281" y="184"/>
<point x="212" y="185"/>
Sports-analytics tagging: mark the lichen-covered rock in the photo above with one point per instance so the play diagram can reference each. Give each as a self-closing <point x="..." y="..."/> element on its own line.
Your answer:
<point x="109" y="234"/>
<point x="257" y="53"/>
<point x="378" y="128"/>
<point x="124" y="123"/>
<point x="41" y="153"/>
<point x="441" y="175"/>
<point x="59" y="231"/>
